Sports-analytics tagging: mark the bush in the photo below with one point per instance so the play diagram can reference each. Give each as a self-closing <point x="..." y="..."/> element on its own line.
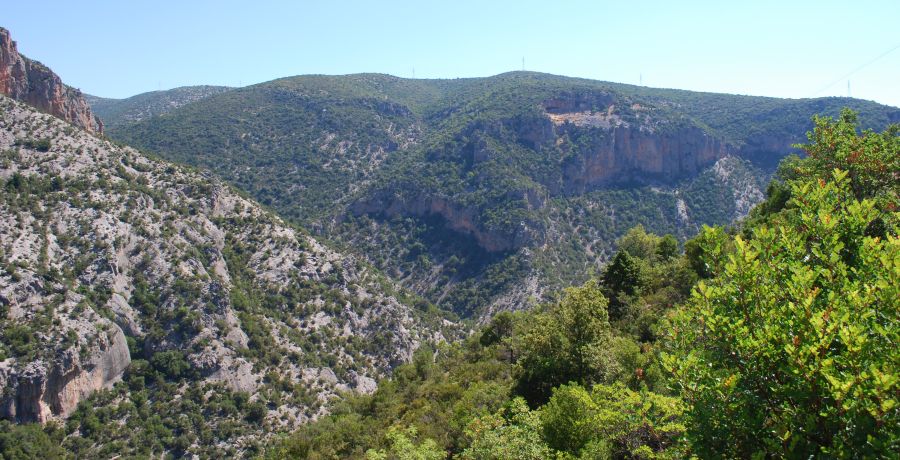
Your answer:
<point x="792" y="349"/>
<point x="41" y="145"/>
<point x="171" y="363"/>
<point x="26" y="442"/>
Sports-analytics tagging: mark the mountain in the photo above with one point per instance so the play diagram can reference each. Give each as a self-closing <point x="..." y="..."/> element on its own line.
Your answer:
<point x="115" y="112"/>
<point x="34" y="83"/>
<point x="119" y="268"/>
<point x="482" y="194"/>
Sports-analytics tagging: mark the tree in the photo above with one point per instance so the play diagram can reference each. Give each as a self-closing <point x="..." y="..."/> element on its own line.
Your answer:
<point x="566" y="343"/>
<point x="870" y="159"/>
<point x="404" y="447"/>
<point x="638" y="243"/>
<point x="612" y="421"/>
<point x="622" y="278"/>
<point x="25" y="442"/>
<point x="792" y="350"/>
<point x="500" y="330"/>
<point x="512" y="433"/>
<point x="706" y="252"/>
<point x="667" y="248"/>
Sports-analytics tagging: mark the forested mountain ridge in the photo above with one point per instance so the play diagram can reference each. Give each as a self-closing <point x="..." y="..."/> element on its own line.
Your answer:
<point x="480" y="194"/>
<point x="115" y="112"/>
<point x="130" y="286"/>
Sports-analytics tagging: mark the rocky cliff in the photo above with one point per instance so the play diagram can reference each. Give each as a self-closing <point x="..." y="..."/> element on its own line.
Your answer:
<point x="108" y="257"/>
<point x="626" y="155"/>
<point x="34" y="83"/>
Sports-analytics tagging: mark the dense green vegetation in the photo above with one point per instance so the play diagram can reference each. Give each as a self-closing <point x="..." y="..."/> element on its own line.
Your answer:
<point x="784" y="348"/>
<point x="790" y="347"/>
<point x="381" y="164"/>
<point x="475" y="398"/>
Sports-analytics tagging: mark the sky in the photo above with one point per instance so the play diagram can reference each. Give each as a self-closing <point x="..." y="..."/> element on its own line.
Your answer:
<point x="781" y="48"/>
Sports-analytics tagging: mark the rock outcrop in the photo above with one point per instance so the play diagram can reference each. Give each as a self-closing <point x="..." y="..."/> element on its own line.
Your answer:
<point x="44" y="389"/>
<point x="625" y="155"/>
<point x="99" y="243"/>
<point x="35" y="84"/>
<point x="595" y="145"/>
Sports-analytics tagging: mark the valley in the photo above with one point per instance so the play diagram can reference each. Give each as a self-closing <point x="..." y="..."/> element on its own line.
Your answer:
<point x="520" y="266"/>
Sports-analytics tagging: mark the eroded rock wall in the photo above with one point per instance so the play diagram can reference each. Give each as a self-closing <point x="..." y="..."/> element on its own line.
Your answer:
<point x="35" y="84"/>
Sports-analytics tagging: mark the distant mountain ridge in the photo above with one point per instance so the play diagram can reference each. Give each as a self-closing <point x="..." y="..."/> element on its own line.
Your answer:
<point x="30" y="81"/>
<point x="116" y="112"/>
<point x="481" y="193"/>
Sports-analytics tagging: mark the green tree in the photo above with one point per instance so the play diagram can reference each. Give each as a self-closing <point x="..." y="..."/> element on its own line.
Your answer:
<point x="612" y="421"/>
<point x="871" y="160"/>
<point x="513" y="433"/>
<point x="27" y="442"/>
<point x="622" y="279"/>
<point x="638" y="243"/>
<point x="570" y="418"/>
<point x="500" y="331"/>
<point x="792" y="350"/>
<point x="566" y="343"/>
<point x="707" y="251"/>
<point x="171" y="363"/>
<point x="667" y="248"/>
<point x="404" y="447"/>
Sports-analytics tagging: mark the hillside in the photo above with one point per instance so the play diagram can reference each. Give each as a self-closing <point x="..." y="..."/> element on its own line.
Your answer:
<point x="158" y="310"/>
<point x="483" y="194"/>
<point x="116" y="112"/>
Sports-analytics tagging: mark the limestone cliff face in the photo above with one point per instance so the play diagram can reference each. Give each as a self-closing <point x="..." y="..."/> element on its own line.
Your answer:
<point x="44" y="389"/>
<point x="623" y="155"/>
<point x="611" y="142"/>
<point x="34" y="83"/>
<point x="767" y="150"/>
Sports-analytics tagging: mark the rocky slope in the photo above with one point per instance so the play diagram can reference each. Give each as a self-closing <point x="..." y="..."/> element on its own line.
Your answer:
<point x="116" y="112"/>
<point x="476" y="192"/>
<point x="34" y="83"/>
<point x="110" y="260"/>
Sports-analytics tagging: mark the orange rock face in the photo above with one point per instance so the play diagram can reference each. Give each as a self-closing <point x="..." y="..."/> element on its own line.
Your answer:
<point x="35" y="84"/>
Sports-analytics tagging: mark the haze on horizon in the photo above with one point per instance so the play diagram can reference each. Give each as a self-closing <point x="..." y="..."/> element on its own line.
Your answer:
<point x="779" y="49"/>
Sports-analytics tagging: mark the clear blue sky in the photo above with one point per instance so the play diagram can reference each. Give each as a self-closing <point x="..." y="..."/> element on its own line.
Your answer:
<point x="780" y="48"/>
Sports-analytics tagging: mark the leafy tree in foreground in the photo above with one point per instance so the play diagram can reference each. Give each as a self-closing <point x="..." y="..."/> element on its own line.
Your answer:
<point x="512" y="433"/>
<point x="612" y="421"/>
<point x="404" y="447"/>
<point x="566" y="343"/>
<point x="792" y="349"/>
